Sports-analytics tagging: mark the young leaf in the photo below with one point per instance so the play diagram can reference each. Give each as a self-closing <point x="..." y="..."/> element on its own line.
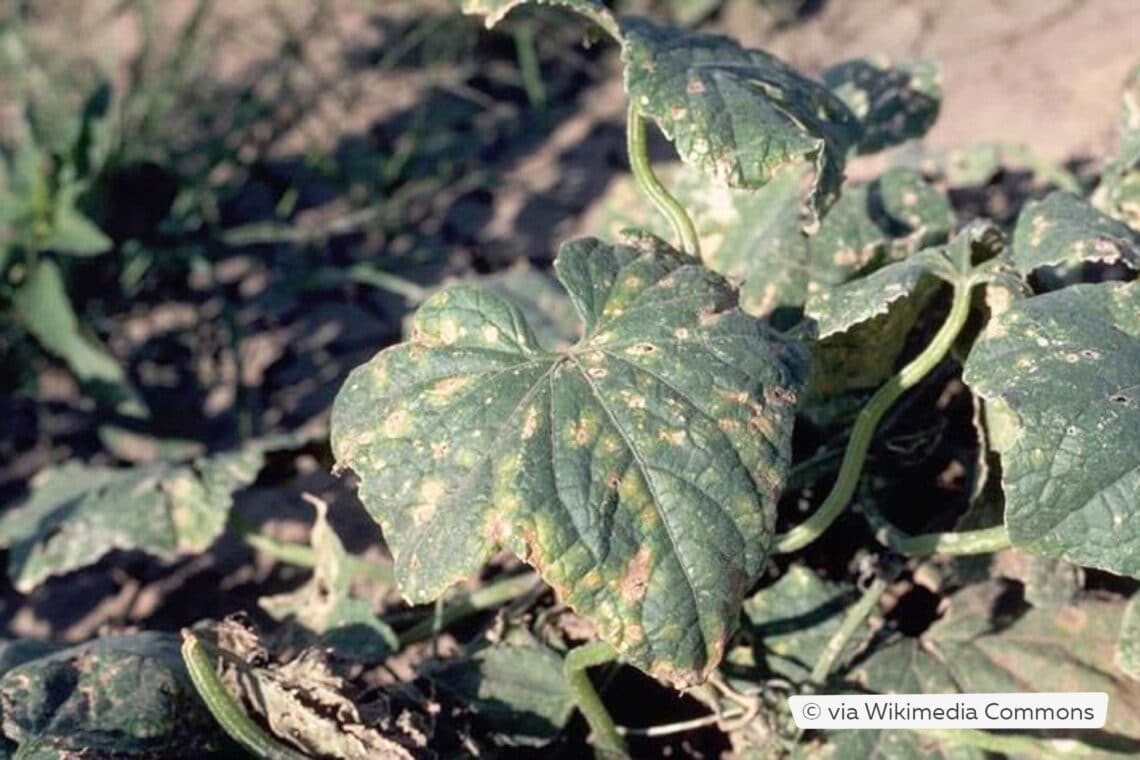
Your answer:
<point x="74" y="234"/>
<point x="740" y="115"/>
<point x="122" y="696"/>
<point x="76" y="513"/>
<point x="894" y="103"/>
<point x="43" y="306"/>
<point x="973" y="649"/>
<point x="638" y="470"/>
<point x="1067" y="366"/>
<point x="1064" y="230"/>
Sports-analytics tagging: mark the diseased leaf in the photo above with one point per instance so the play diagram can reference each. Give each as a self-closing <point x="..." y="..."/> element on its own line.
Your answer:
<point x="538" y="296"/>
<point x="877" y="222"/>
<point x="839" y="309"/>
<point x="894" y="103"/>
<point x="1128" y="645"/>
<point x="519" y="690"/>
<point x="740" y="115"/>
<point x="1064" y="230"/>
<point x="793" y="619"/>
<point x="120" y="696"/>
<point x="1066" y="364"/>
<point x="752" y="237"/>
<point x="638" y="470"/>
<point x="494" y="11"/>
<point x="979" y="645"/>
<point x="305" y="704"/>
<point x="326" y="605"/>
<point x="1118" y="193"/>
<point x="77" y="513"/>
<point x="1048" y="582"/>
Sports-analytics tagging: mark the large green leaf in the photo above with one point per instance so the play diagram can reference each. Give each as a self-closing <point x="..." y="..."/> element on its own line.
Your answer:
<point x="978" y="647"/>
<point x="1065" y="367"/>
<point x="894" y="103"/>
<point x="637" y="470"/>
<point x="76" y="513"/>
<point x="741" y="115"/>
<point x="1064" y="230"/>
<point x="123" y="696"/>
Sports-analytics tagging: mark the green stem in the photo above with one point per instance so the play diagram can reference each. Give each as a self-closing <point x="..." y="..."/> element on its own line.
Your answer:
<point x="643" y="173"/>
<point x="854" y="618"/>
<point x="868" y="418"/>
<point x="985" y="541"/>
<point x="225" y="709"/>
<point x="304" y="556"/>
<point x="604" y="733"/>
<point x="488" y="597"/>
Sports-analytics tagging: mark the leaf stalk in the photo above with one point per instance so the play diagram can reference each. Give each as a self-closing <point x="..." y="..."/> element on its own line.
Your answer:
<point x="647" y="181"/>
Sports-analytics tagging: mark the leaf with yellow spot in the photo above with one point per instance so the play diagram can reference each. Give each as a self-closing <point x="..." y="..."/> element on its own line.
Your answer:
<point x="1063" y="231"/>
<point x="608" y="460"/>
<point x="1066" y="365"/>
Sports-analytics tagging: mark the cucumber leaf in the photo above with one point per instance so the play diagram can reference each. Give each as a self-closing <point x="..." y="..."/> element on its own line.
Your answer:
<point x="740" y="115"/>
<point x="979" y="645"/>
<point x="638" y="471"/>
<point x="1066" y="365"/>
<point x="120" y="696"/>
<point x="793" y="619"/>
<point x="837" y="310"/>
<point x="894" y="103"/>
<point x="1064" y="230"/>
<point x="78" y="513"/>
<point x="1118" y="193"/>
<point x="517" y="688"/>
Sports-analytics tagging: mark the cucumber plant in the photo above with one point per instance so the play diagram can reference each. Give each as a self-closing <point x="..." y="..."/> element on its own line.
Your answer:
<point x="639" y="470"/>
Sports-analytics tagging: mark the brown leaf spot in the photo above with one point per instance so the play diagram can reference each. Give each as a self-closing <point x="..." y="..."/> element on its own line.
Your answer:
<point x="635" y="580"/>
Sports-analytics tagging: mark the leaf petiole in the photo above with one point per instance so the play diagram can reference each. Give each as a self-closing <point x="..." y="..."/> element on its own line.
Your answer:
<point x="854" y="618"/>
<point x="643" y="174"/>
<point x="984" y="541"/>
<point x="605" y="735"/>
